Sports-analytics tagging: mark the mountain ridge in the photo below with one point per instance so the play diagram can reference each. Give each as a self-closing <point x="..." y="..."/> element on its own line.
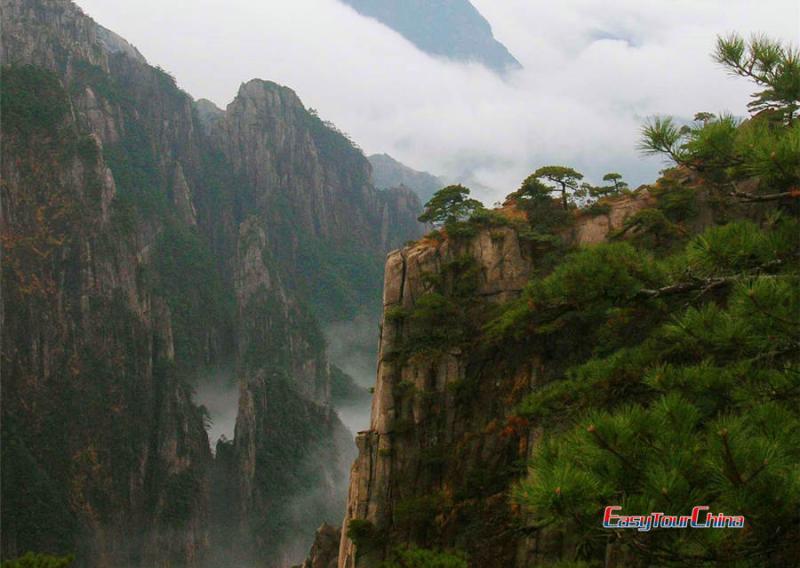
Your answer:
<point x="148" y="239"/>
<point x="453" y="29"/>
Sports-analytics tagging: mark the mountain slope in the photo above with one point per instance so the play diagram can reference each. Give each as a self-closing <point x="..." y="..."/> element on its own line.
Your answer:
<point x="637" y="359"/>
<point x="148" y="240"/>
<point x="445" y="28"/>
<point x="388" y="173"/>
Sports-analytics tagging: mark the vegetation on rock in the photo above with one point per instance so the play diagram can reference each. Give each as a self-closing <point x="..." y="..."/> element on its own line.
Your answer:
<point x="667" y="360"/>
<point x="683" y="379"/>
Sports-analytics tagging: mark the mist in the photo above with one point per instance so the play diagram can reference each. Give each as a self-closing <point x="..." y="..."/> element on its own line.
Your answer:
<point x="592" y="73"/>
<point x="218" y="391"/>
<point x="353" y="347"/>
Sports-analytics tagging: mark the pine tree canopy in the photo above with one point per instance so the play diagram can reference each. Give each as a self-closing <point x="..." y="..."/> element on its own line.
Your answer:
<point x="680" y="364"/>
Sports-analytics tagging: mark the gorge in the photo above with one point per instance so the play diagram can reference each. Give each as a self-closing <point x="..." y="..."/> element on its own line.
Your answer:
<point x="231" y="339"/>
<point x="154" y="246"/>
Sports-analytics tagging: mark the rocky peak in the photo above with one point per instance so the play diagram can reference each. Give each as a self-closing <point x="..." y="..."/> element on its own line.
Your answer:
<point x="450" y="28"/>
<point x="56" y="34"/>
<point x="269" y="92"/>
<point x="389" y="173"/>
<point x="114" y="43"/>
<point x="325" y="550"/>
<point x="443" y="425"/>
<point x="208" y="112"/>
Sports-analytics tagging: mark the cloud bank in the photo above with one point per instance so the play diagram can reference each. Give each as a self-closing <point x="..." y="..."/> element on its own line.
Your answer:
<point x="592" y="72"/>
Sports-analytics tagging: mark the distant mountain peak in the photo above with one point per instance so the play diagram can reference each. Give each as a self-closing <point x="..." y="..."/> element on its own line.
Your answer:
<point x="388" y="173"/>
<point x="114" y="43"/>
<point x="446" y="28"/>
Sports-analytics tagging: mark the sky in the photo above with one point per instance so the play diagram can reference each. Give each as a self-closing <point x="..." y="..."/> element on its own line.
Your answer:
<point x="593" y="72"/>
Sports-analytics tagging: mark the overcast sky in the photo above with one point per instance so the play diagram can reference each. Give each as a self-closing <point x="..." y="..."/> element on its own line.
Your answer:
<point x="593" y="70"/>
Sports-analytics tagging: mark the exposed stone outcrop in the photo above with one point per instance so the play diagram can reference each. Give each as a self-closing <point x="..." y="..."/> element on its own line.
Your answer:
<point x="590" y="229"/>
<point x="444" y="444"/>
<point x="146" y="239"/>
<point x="325" y="550"/>
<point x="430" y="448"/>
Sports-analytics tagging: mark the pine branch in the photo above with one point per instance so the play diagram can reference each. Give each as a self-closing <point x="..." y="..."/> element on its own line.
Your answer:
<point x="608" y="447"/>
<point x="736" y="477"/>
<point x="770" y="315"/>
<point x="756" y="473"/>
<point x="682" y="287"/>
<point x="753" y="198"/>
<point x="706" y="284"/>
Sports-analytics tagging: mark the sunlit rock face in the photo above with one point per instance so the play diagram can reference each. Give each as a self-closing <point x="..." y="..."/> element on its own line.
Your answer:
<point x="444" y="446"/>
<point x="428" y="443"/>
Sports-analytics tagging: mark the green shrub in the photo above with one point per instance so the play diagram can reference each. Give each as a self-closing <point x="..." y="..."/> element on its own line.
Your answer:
<point x="405" y="389"/>
<point x="418" y="513"/>
<point x="363" y="534"/>
<point x="421" y="558"/>
<point x="34" y="560"/>
<point x="32" y="100"/>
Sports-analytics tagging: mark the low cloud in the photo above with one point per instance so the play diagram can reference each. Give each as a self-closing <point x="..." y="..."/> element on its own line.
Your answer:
<point x="593" y="71"/>
<point x="218" y="391"/>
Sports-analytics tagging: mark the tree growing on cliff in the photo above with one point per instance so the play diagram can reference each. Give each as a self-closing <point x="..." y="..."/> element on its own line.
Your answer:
<point x="617" y="183"/>
<point x="684" y="380"/>
<point x="559" y="179"/>
<point x="768" y="63"/>
<point x="614" y="186"/>
<point x="450" y="204"/>
<point x="543" y="213"/>
<point x="722" y="150"/>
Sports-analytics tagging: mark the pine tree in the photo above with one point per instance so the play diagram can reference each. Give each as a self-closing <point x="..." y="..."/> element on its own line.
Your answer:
<point x="561" y="179"/>
<point x="450" y="204"/>
<point x="682" y="368"/>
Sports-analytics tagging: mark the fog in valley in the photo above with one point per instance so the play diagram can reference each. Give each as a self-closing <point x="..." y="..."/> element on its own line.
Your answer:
<point x="218" y="391"/>
<point x="353" y="347"/>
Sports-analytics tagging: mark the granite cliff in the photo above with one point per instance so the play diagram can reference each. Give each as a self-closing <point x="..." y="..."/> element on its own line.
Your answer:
<point x="148" y="238"/>
<point x="446" y="442"/>
<point x="389" y="173"/>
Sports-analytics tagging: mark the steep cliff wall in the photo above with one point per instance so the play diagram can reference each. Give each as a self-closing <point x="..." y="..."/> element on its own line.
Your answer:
<point x="100" y="436"/>
<point x="445" y="442"/>
<point x="433" y="466"/>
<point x="147" y="239"/>
<point x="470" y="337"/>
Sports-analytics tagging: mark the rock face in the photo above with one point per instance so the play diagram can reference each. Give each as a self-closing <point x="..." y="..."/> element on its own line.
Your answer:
<point x="325" y="551"/>
<point x="435" y="464"/>
<point x="388" y="173"/>
<point x="447" y="28"/>
<point x="147" y="239"/>
<point x="444" y="445"/>
<point x="595" y="229"/>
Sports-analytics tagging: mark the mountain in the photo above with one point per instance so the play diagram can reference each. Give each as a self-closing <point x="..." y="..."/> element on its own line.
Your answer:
<point x="389" y="173"/>
<point x="439" y="458"/>
<point x="152" y="243"/>
<point x="500" y="351"/>
<point x="444" y="28"/>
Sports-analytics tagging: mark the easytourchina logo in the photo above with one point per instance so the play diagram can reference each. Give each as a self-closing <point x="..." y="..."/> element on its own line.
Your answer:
<point x="700" y="518"/>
